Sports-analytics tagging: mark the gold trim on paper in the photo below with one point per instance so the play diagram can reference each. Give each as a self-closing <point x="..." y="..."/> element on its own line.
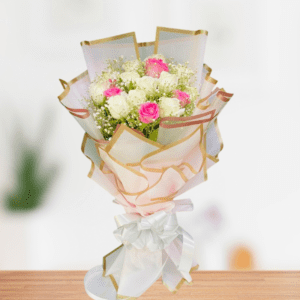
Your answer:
<point x="114" y="38"/>
<point x="156" y="40"/>
<point x="184" y="178"/>
<point x="118" y="182"/>
<point x="182" y="31"/>
<point x="225" y="97"/>
<point x="123" y="165"/>
<point x="112" y="278"/>
<point x="92" y="169"/>
<point x="104" y="259"/>
<point x="202" y="146"/>
<point x="173" y="195"/>
<point x="136" y="47"/>
<point x="150" y="187"/>
<point x="206" y="67"/>
<point x="82" y="75"/>
<point x="156" y="183"/>
<point x="213" y="158"/>
<point x="182" y="281"/>
<point x="210" y="79"/>
<point x="146" y="44"/>
<point x="205" y="160"/>
<point x="176" y="168"/>
<point x="223" y="93"/>
<point x="220" y="94"/>
<point x="108" y="39"/>
<point x="123" y="128"/>
<point x="194" y="268"/>
<point x="102" y="164"/>
<point x="207" y="97"/>
<point x="63" y="83"/>
<point x="166" y="147"/>
<point x="114" y="282"/>
<point x="189" y="166"/>
<point x="84" y="140"/>
<point x="219" y="134"/>
<point x="203" y="107"/>
<point x="68" y="85"/>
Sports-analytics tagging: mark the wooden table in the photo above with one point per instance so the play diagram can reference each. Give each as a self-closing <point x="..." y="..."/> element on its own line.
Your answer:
<point x="208" y="285"/>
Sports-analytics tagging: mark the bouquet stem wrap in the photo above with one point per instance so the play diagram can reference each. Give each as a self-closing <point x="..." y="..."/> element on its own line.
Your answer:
<point x="152" y="247"/>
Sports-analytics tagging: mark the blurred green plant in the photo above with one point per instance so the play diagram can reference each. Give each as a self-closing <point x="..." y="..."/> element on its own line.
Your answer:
<point x="33" y="177"/>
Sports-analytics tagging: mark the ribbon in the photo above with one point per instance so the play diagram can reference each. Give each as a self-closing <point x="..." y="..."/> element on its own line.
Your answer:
<point x="152" y="246"/>
<point x="154" y="232"/>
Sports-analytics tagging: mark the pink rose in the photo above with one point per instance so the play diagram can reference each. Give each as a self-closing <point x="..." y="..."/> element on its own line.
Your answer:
<point x="183" y="97"/>
<point x="113" y="91"/>
<point x="148" y="112"/>
<point x="112" y="83"/>
<point x="155" y="66"/>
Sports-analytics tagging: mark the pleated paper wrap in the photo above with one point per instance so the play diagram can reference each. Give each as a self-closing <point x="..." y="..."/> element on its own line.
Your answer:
<point x="145" y="176"/>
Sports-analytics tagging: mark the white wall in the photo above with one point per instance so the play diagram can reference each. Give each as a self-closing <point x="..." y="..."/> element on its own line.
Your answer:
<point x="253" y="48"/>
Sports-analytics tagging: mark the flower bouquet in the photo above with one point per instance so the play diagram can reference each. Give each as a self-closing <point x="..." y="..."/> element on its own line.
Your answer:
<point x="150" y="112"/>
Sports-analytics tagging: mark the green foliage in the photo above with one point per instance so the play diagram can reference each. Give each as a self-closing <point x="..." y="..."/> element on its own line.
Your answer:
<point x="32" y="178"/>
<point x="129" y="87"/>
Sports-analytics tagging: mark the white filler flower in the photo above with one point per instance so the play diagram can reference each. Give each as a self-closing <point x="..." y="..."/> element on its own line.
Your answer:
<point x="136" y="97"/>
<point x="147" y="83"/>
<point x="169" y="107"/>
<point x="118" y="106"/>
<point x="193" y="92"/>
<point x="129" y="76"/>
<point x="96" y="91"/>
<point x="131" y="65"/>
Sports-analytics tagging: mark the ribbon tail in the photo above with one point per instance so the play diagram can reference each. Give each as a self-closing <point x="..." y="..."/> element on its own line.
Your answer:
<point x="186" y="260"/>
<point x="183" y="205"/>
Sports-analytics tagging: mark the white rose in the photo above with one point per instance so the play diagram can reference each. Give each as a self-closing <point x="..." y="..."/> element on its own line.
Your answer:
<point x="118" y="106"/>
<point x="169" y="107"/>
<point x="157" y="56"/>
<point x="136" y="97"/>
<point x="193" y="92"/>
<point x="96" y="91"/>
<point x="147" y="83"/>
<point x="132" y="65"/>
<point x="168" y="81"/>
<point x="129" y="76"/>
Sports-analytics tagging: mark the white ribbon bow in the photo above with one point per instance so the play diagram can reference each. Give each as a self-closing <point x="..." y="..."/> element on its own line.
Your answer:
<point x="154" y="232"/>
<point x="153" y="246"/>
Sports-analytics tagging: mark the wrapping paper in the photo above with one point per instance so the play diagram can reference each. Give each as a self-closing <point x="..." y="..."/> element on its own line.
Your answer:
<point x="145" y="176"/>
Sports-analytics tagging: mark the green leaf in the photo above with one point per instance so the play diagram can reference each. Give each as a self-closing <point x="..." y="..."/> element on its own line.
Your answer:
<point x="143" y="126"/>
<point x="153" y="135"/>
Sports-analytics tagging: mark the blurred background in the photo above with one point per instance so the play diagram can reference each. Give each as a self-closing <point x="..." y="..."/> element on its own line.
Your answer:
<point x="52" y="216"/>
